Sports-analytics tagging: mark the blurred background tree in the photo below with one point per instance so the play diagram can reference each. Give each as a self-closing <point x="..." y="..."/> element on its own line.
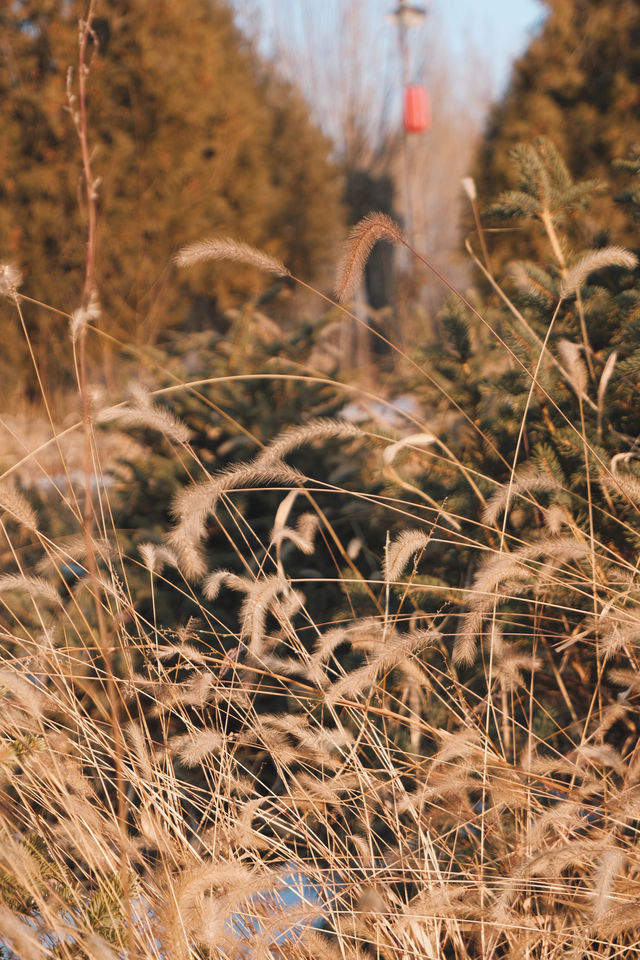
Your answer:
<point x="192" y="134"/>
<point x="579" y="85"/>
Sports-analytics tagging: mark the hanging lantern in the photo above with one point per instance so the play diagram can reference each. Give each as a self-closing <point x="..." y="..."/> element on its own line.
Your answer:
<point x="417" y="109"/>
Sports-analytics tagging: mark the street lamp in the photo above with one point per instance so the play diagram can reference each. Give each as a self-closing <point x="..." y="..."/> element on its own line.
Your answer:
<point x="416" y="111"/>
<point x="406" y="16"/>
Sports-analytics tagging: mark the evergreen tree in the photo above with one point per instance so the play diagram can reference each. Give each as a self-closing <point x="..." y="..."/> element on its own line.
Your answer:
<point x="191" y="135"/>
<point x="554" y="462"/>
<point x="578" y="84"/>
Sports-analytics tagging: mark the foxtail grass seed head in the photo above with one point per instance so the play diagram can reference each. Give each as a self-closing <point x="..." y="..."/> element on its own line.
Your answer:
<point x="302" y="537"/>
<point x="571" y="355"/>
<point x="400" y="551"/>
<point x="579" y="272"/>
<point x="17" y="935"/>
<point x="624" y="482"/>
<point x="143" y="413"/>
<point x="192" y="748"/>
<point x="215" y="581"/>
<point x="30" y="585"/>
<point x="156" y="556"/>
<point x="84" y="316"/>
<point x="225" y="248"/>
<point x="193" y="504"/>
<point x="528" y="482"/>
<point x="357" y="248"/>
<point x="18" y="507"/>
<point x="315" y="431"/>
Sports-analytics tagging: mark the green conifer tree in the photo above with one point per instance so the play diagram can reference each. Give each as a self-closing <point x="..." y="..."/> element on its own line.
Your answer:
<point x="578" y="85"/>
<point x="554" y="460"/>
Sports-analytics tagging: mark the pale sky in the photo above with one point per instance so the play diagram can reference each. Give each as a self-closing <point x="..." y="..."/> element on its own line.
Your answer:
<point x="344" y="56"/>
<point x="499" y="29"/>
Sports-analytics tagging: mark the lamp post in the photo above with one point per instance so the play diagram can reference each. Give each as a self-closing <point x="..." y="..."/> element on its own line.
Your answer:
<point x="416" y="112"/>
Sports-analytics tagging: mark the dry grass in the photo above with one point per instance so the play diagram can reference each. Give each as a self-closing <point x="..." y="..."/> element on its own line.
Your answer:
<point x="454" y="774"/>
<point x="426" y="815"/>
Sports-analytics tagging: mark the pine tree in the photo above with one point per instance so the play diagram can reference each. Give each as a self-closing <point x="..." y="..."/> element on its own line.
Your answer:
<point x="554" y="462"/>
<point x="191" y="135"/>
<point x="578" y="85"/>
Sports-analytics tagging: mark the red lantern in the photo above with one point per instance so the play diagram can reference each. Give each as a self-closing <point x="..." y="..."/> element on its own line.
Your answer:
<point x="417" y="109"/>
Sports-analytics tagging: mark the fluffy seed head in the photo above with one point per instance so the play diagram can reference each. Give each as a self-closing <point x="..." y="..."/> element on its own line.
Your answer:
<point x="408" y="543"/>
<point x="592" y="261"/>
<point x="143" y="413"/>
<point x="571" y="356"/>
<point x="358" y="246"/>
<point x="83" y="316"/>
<point x="225" y="248"/>
<point x="15" y="504"/>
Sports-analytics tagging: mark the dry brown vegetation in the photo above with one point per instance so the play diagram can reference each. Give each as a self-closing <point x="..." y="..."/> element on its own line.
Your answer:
<point x="418" y="763"/>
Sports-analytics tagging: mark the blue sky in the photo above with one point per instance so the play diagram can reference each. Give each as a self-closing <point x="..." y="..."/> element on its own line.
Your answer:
<point x="497" y="29"/>
<point x="343" y="55"/>
<point x="501" y="28"/>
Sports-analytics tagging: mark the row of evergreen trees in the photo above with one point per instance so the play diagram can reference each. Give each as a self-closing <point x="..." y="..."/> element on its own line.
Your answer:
<point x="192" y="134"/>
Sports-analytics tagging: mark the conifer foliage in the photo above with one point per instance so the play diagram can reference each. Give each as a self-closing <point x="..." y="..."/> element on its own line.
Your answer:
<point x="545" y="415"/>
<point x="578" y="84"/>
